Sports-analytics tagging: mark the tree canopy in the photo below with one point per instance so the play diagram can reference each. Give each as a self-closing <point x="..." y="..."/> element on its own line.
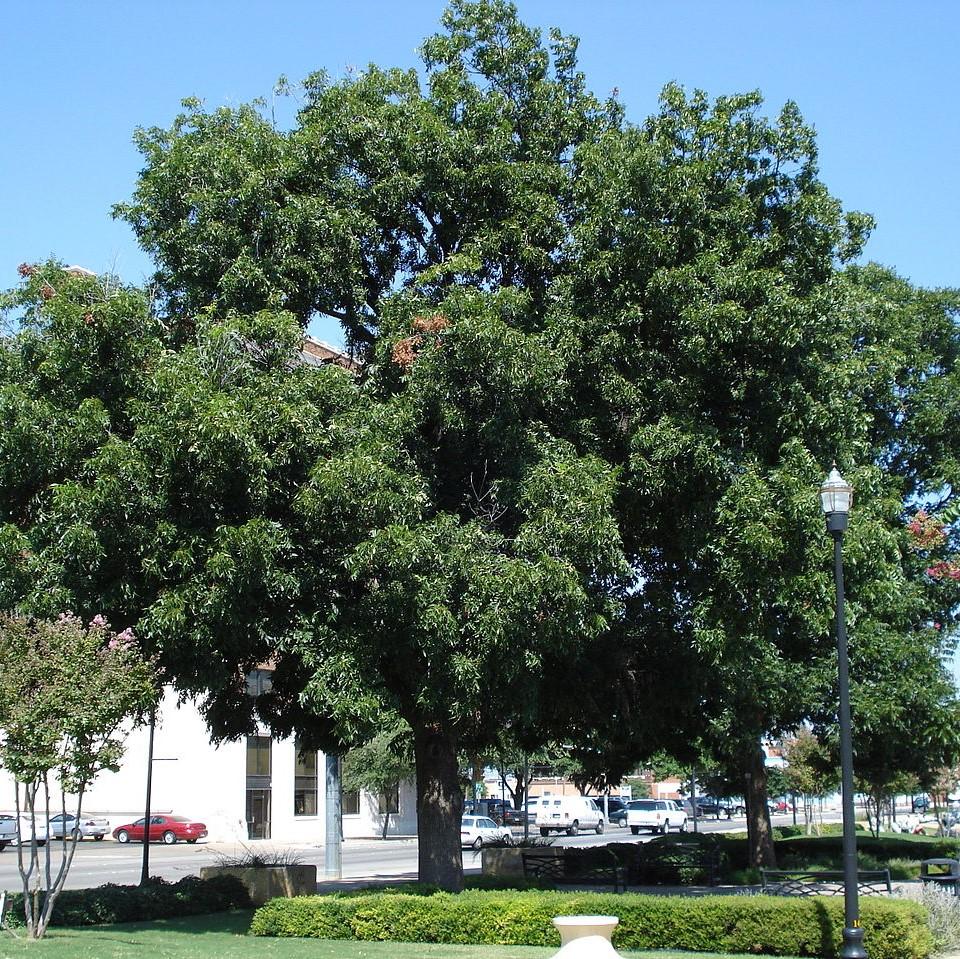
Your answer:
<point x="604" y="367"/>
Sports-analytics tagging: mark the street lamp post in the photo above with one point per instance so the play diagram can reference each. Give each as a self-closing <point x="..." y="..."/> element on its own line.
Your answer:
<point x="836" y="497"/>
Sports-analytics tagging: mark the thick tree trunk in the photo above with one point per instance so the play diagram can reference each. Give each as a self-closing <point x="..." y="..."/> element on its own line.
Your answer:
<point x="439" y="808"/>
<point x="761" y="837"/>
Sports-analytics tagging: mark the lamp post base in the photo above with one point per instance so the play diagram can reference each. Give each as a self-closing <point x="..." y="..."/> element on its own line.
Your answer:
<point x="852" y="947"/>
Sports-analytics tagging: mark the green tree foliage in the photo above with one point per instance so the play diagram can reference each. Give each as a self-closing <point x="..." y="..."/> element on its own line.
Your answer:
<point x="605" y="367"/>
<point x="157" y="485"/>
<point x="811" y="771"/>
<point x="380" y="764"/>
<point x="466" y="552"/>
<point x="712" y="246"/>
<point x="386" y="180"/>
<point x="68" y="696"/>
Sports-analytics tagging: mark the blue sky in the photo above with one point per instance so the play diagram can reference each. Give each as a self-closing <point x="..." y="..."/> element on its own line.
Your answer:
<point x="877" y="79"/>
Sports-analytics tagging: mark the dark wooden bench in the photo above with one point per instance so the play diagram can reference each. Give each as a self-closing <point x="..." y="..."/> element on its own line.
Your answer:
<point x="558" y="868"/>
<point x="661" y="863"/>
<point x="822" y="882"/>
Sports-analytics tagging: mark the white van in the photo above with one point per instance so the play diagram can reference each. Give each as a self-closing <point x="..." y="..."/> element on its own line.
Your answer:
<point x="568" y="814"/>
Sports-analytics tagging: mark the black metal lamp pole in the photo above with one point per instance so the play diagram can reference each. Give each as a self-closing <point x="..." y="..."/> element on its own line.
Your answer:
<point x="836" y="497"/>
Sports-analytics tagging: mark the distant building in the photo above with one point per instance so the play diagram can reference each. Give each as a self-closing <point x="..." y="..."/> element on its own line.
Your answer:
<point x="256" y="788"/>
<point x="317" y="353"/>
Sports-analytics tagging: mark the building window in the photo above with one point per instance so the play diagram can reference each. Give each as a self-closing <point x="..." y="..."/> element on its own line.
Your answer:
<point x="350" y="803"/>
<point x="390" y="799"/>
<point x="258" y="756"/>
<point x="259" y="681"/>
<point x="305" y="782"/>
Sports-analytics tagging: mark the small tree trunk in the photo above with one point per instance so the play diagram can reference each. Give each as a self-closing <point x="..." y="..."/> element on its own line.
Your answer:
<point x="761" y="837"/>
<point x="386" y="823"/>
<point x="439" y="808"/>
<point x="54" y="889"/>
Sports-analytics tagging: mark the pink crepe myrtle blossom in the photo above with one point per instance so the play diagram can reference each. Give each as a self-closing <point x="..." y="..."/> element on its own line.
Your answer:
<point x="944" y="570"/>
<point x="927" y="531"/>
<point x="121" y="640"/>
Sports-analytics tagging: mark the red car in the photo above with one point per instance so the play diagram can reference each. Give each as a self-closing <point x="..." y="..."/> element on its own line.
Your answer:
<point x="167" y="828"/>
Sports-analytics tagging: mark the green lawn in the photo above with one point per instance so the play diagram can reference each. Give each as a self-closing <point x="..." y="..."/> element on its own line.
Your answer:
<point x="223" y="936"/>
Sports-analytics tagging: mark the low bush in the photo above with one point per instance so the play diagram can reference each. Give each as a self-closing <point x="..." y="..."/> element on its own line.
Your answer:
<point x="944" y="917"/>
<point x="895" y="929"/>
<point x="111" y="903"/>
<point x="826" y="852"/>
<point x="518" y="842"/>
<point x="900" y="853"/>
<point x="259" y="859"/>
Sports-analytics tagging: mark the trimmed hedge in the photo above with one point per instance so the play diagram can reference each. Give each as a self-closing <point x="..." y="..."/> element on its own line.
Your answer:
<point x="895" y="929"/>
<point x="885" y="847"/>
<point x="111" y="903"/>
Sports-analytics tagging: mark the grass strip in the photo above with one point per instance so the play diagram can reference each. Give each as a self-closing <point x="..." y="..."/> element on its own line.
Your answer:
<point x="224" y="936"/>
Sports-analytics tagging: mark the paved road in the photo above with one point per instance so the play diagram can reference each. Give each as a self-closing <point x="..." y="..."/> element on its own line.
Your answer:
<point x="96" y="863"/>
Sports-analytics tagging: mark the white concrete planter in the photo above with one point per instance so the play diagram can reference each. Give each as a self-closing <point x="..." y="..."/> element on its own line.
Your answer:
<point x="502" y="861"/>
<point x="586" y="937"/>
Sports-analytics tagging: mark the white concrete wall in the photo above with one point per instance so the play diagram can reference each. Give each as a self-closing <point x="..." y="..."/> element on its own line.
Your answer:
<point x="192" y="777"/>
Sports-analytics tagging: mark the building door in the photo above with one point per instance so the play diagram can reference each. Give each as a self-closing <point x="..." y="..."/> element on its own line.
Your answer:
<point x="259" y="771"/>
<point x="258" y="813"/>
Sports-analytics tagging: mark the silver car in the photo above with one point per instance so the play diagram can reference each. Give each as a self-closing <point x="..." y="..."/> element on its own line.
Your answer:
<point x="95" y="827"/>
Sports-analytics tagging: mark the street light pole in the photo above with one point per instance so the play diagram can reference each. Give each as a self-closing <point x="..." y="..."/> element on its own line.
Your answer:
<point x="836" y="497"/>
<point x="145" y="857"/>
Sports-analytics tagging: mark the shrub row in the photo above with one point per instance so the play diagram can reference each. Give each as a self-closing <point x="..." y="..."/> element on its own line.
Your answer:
<point x="110" y="903"/>
<point x="883" y="848"/>
<point x="682" y="859"/>
<point x="895" y="929"/>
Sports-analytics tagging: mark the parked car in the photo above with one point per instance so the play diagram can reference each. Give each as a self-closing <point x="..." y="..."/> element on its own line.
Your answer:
<point x="95" y="827"/>
<point x="8" y="831"/>
<point x="616" y="811"/>
<point x="166" y="828"/>
<point x="516" y="817"/>
<point x="477" y="830"/>
<point x="568" y="814"/>
<point x="711" y="806"/>
<point x="657" y="815"/>
<point x="29" y="833"/>
<point x="494" y="808"/>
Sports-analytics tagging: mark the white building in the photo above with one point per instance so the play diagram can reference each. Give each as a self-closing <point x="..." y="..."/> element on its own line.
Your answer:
<point x="257" y="788"/>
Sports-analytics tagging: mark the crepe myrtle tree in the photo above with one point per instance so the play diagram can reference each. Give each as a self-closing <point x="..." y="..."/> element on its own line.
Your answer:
<point x="69" y="694"/>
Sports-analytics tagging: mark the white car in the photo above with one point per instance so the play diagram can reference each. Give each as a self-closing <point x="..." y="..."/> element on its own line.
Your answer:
<point x="90" y="826"/>
<point x="27" y="833"/>
<point x="657" y="815"/>
<point x="477" y="830"/>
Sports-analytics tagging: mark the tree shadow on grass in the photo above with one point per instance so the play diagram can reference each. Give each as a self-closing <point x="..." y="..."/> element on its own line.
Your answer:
<point x="236" y="922"/>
